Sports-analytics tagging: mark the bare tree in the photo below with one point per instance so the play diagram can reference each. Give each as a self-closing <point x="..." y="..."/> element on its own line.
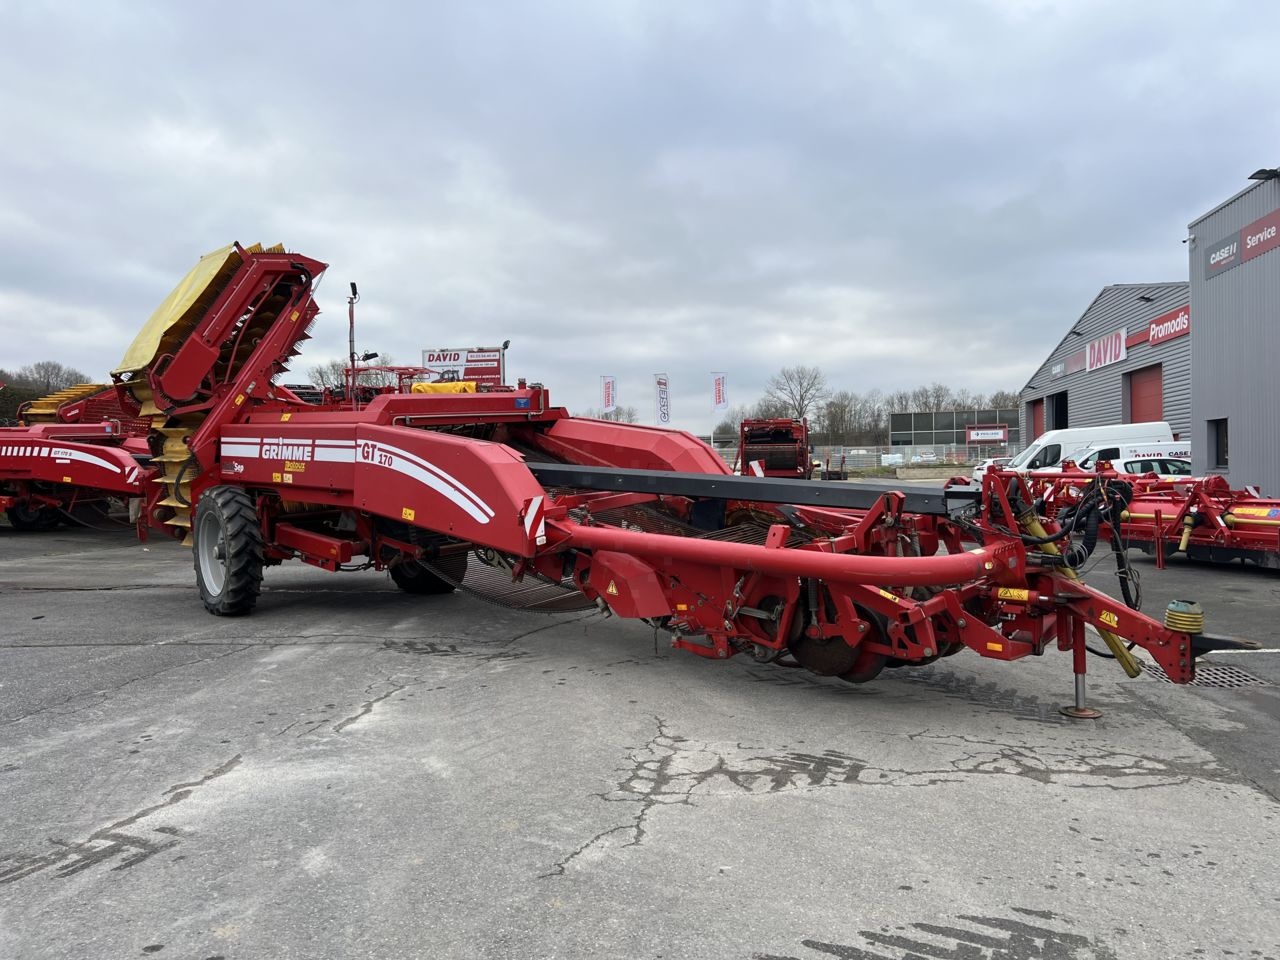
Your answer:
<point x="898" y="402"/>
<point x="1003" y="400"/>
<point x="617" y="415"/>
<point x="766" y="408"/>
<point x="799" y="390"/>
<point x="333" y="374"/>
<point x="939" y="397"/>
<point x="730" y="421"/>
<point x="13" y="394"/>
<point x="49" y="376"/>
<point x="838" y="416"/>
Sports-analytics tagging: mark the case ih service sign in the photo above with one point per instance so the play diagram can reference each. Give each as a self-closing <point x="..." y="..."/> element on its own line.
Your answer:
<point x="1253" y="241"/>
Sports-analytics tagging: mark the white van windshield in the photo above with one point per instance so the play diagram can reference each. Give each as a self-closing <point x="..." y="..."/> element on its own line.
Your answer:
<point x="1021" y="459"/>
<point x="1045" y="456"/>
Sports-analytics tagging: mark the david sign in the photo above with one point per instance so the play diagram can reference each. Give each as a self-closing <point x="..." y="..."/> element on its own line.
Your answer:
<point x="1105" y="350"/>
<point x="484" y="365"/>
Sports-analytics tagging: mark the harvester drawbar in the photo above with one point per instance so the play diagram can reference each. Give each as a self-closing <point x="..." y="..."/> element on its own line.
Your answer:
<point x="646" y="523"/>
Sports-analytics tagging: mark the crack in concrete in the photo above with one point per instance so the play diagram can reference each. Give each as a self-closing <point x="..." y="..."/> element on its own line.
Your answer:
<point x="643" y="786"/>
<point x="111" y="841"/>
<point x="366" y="708"/>
<point x="1045" y="765"/>
<point x="101" y="696"/>
<point x="550" y="626"/>
<point x="670" y="770"/>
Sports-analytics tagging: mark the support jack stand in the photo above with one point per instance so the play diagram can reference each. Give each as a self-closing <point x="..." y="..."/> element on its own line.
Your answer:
<point x="1080" y="710"/>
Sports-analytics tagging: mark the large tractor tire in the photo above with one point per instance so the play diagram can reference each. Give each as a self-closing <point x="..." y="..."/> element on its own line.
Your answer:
<point x="412" y="577"/>
<point x="227" y="543"/>
<point x="39" y="519"/>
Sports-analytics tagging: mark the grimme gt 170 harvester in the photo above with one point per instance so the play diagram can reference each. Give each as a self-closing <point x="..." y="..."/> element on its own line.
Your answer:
<point x="843" y="580"/>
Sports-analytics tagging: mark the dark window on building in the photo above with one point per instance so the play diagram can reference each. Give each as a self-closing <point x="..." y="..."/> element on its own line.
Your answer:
<point x="1218" y="444"/>
<point x="1058" y="411"/>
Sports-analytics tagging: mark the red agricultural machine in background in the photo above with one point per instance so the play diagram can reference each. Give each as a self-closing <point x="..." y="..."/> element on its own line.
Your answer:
<point x="80" y="449"/>
<point x="501" y="492"/>
<point x="774" y="448"/>
<point x="1202" y="518"/>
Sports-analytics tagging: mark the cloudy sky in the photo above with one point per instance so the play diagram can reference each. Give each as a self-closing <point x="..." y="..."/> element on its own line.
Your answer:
<point x="897" y="192"/>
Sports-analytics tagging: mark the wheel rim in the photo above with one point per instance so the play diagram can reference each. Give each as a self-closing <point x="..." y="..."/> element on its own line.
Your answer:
<point x="211" y="548"/>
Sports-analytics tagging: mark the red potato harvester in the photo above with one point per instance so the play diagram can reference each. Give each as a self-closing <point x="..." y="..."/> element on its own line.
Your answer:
<point x="503" y="490"/>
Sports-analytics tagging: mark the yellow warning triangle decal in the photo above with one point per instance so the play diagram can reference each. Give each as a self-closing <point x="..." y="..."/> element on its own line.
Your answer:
<point x="613" y="589"/>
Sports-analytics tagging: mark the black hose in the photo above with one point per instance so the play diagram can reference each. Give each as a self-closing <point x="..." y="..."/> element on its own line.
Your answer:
<point x="1083" y="549"/>
<point x="1118" y="501"/>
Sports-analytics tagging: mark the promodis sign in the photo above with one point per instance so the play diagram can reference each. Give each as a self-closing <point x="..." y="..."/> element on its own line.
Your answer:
<point x="1169" y="326"/>
<point x="1105" y="350"/>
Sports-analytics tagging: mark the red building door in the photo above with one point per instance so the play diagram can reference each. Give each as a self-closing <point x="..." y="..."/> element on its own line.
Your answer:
<point x="1037" y="419"/>
<point x="1146" y="394"/>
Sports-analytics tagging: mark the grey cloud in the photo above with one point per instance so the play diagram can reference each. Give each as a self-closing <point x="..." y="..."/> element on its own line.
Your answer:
<point x="897" y="191"/>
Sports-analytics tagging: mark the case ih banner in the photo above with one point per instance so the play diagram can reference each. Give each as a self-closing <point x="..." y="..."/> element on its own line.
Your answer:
<point x="608" y="394"/>
<point x="1253" y="241"/>
<point x="662" y="387"/>
<point x="719" y="396"/>
<point x="995" y="433"/>
<point x="484" y="365"/>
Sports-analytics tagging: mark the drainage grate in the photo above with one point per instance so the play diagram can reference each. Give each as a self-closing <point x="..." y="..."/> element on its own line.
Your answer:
<point x="1211" y="675"/>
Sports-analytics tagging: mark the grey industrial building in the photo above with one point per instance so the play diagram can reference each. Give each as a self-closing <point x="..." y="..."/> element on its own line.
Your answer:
<point x="1201" y="355"/>
<point x="956" y="428"/>
<point x="1235" y="299"/>
<point x="1126" y="360"/>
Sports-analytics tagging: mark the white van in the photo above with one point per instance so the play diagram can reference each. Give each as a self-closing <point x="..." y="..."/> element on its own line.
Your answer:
<point x="1048" y="449"/>
<point x="1163" y="459"/>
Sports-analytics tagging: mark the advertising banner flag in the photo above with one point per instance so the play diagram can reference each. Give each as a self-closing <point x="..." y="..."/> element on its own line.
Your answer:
<point x="662" y="388"/>
<point x="609" y="394"/>
<point x="719" y="396"/>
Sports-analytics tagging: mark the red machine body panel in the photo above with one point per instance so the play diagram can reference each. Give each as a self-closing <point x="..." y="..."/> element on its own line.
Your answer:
<point x="462" y="487"/>
<point x="39" y="453"/>
<point x="628" y="445"/>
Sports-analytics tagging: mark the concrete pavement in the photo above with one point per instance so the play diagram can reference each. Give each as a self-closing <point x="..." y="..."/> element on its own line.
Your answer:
<point x="353" y="772"/>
